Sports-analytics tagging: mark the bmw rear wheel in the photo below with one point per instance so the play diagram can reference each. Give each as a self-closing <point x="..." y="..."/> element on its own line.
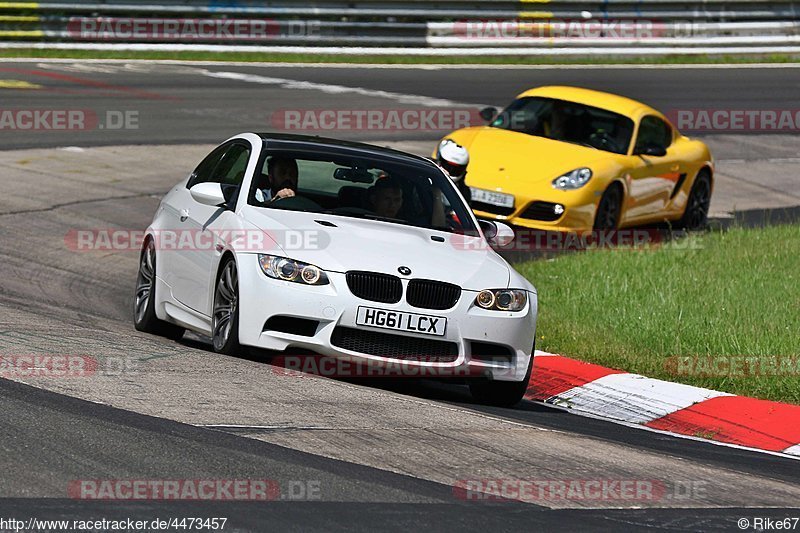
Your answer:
<point x="225" y="320"/>
<point x="144" y="300"/>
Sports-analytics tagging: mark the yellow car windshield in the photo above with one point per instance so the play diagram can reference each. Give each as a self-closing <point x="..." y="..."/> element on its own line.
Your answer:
<point x="566" y="121"/>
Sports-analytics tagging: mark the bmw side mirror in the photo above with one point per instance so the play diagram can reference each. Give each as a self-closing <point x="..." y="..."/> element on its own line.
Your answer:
<point x="488" y="113"/>
<point x="208" y="194"/>
<point x="653" y="150"/>
<point x="488" y="228"/>
<point x="497" y="233"/>
<point x="505" y="235"/>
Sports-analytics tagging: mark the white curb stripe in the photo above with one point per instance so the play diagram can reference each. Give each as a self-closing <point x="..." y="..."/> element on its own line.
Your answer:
<point x="411" y="99"/>
<point x="794" y="450"/>
<point x="632" y="398"/>
<point x="783" y="454"/>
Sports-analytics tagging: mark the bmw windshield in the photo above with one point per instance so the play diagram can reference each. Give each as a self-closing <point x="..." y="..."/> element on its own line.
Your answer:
<point x="367" y="186"/>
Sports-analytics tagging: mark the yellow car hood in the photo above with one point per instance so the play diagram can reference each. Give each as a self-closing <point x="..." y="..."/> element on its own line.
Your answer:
<point x="502" y="158"/>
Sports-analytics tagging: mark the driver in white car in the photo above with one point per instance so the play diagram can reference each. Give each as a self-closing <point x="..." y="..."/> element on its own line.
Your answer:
<point x="282" y="177"/>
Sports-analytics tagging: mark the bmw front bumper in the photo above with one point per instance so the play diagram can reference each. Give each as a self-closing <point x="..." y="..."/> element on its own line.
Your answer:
<point x="495" y="344"/>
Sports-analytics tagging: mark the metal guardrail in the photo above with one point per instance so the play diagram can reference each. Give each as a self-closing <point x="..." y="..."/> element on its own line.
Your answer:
<point x="439" y="26"/>
<point x="427" y="10"/>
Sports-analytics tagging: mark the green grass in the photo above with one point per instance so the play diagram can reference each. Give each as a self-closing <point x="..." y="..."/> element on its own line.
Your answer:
<point x="392" y="59"/>
<point x="737" y="293"/>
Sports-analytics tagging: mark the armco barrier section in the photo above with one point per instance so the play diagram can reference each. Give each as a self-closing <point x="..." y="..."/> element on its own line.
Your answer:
<point x="446" y="27"/>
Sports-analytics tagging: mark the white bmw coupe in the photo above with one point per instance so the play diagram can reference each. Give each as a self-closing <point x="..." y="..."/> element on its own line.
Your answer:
<point x="343" y="249"/>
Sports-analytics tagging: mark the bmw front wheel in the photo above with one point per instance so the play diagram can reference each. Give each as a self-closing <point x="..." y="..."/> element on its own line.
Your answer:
<point x="225" y="320"/>
<point x="501" y="393"/>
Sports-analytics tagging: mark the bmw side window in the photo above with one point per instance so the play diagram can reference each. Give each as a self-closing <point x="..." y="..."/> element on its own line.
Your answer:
<point x="653" y="132"/>
<point x="230" y="171"/>
<point x="205" y="170"/>
<point x="233" y="165"/>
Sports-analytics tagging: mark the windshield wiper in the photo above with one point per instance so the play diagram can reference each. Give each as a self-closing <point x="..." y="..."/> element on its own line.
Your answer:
<point x="369" y="216"/>
<point x="587" y="145"/>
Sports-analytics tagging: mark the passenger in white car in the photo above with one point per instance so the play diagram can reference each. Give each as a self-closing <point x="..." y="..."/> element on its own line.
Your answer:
<point x="386" y="197"/>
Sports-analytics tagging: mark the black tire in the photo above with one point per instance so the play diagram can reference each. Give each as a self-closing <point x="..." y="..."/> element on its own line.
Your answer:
<point x="225" y="315"/>
<point x="609" y="210"/>
<point x="144" y="301"/>
<point x="500" y="393"/>
<point x="695" y="216"/>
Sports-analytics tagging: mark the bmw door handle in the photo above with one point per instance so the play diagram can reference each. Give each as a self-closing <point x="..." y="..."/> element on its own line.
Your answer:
<point x="675" y="168"/>
<point x="184" y="215"/>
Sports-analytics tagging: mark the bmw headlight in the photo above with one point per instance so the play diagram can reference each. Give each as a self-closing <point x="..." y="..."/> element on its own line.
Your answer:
<point x="502" y="299"/>
<point x="290" y="270"/>
<point x="573" y="180"/>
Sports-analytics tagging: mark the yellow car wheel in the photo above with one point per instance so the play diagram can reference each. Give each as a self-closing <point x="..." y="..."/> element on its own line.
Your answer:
<point x="695" y="217"/>
<point x="609" y="209"/>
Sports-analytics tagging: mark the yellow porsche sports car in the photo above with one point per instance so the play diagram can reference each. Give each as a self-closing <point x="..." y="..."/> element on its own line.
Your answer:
<point x="570" y="159"/>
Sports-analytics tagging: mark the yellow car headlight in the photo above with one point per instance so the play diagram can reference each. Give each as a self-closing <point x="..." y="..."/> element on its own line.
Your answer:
<point x="573" y="180"/>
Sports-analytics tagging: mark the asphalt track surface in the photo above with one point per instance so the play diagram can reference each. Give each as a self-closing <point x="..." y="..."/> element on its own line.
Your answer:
<point x="386" y="455"/>
<point x="178" y="104"/>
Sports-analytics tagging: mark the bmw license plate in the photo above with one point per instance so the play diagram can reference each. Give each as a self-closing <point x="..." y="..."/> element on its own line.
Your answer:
<point x="492" y="197"/>
<point x="401" y="321"/>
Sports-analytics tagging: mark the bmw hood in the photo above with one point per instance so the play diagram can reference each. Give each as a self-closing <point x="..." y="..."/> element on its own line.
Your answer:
<point x="340" y="244"/>
<point x="535" y="159"/>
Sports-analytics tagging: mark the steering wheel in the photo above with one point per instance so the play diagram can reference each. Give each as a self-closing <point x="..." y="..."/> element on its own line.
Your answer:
<point x="296" y="202"/>
<point x="601" y="139"/>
